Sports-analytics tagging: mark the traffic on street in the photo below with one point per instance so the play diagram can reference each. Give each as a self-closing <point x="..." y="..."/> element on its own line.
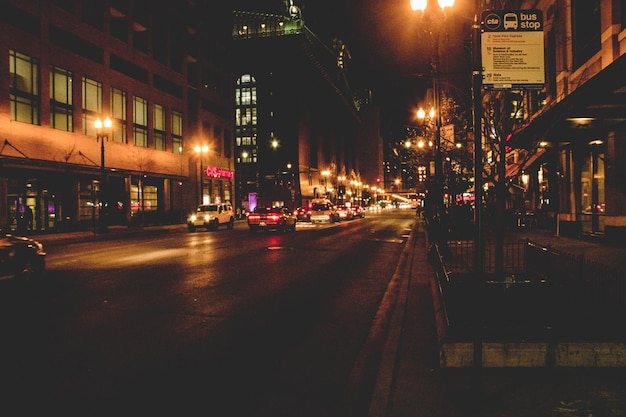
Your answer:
<point x="232" y="323"/>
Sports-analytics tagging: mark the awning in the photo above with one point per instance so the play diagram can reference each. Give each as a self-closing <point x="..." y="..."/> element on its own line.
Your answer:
<point x="533" y="158"/>
<point x="512" y="170"/>
<point x="601" y="101"/>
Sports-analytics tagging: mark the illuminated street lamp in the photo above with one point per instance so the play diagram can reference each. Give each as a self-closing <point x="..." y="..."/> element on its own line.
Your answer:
<point x="103" y="128"/>
<point x="478" y="157"/>
<point x="199" y="150"/>
<point x="435" y="113"/>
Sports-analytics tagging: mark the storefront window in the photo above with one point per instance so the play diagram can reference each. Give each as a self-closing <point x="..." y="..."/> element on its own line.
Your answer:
<point x="592" y="189"/>
<point x="88" y="211"/>
<point x="143" y="198"/>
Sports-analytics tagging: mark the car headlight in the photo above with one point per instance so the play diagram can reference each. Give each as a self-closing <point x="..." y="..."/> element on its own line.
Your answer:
<point x="193" y="218"/>
<point x="207" y="217"/>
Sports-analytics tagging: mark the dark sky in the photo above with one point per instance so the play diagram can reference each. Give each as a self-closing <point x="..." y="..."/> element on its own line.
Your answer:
<point x="390" y="45"/>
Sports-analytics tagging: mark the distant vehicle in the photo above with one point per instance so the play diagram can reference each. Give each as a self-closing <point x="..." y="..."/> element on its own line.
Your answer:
<point x="303" y="214"/>
<point x="21" y="257"/>
<point x="345" y="212"/>
<point x="272" y="218"/>
<point x="323" y="211"/>
<point x="414" y="201"/>
<point x="510" y="21"/>
<point x="211" y="217"/>
<point x="359" y="212"/>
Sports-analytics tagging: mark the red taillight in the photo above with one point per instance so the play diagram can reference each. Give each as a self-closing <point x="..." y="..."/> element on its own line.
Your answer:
<point x="273" y="217"/>
<point x="254" y="217"/>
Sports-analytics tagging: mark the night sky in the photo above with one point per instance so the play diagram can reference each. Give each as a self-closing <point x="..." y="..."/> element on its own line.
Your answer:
<point x="390" y="45"/>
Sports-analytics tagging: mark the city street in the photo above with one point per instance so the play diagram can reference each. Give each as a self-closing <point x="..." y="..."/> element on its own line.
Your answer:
<point x="232" y="323"/>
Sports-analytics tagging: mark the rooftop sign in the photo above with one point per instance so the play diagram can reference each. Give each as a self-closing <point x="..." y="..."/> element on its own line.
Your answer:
<point x="512" y="49"/>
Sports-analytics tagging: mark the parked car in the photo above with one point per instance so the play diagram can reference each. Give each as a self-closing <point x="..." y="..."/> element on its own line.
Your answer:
<point x="303" y="214"/>
<point x="272" y="218"/>
<point x="345" y="212"/>
<point x="211" y="217"/>
<point x="323" y="211"/>
<point x="21" y="257"/>
<point x="359" y="212"/>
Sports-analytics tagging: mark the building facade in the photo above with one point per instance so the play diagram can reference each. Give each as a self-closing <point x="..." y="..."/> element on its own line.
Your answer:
<point x="159" y="72"/>
<point x="570" y="137"/>
<point x="296" y="119"/>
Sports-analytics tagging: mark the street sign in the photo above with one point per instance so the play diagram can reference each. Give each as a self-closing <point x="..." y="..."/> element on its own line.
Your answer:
<point x="446" y="134"/>
<point x="512" y="49"/>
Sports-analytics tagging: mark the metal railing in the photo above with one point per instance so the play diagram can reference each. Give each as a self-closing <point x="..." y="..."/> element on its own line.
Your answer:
<point x="541" y="293"/>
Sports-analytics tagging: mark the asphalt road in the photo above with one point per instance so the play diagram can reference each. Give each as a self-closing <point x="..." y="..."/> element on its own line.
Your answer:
<point x="221" y="323"/>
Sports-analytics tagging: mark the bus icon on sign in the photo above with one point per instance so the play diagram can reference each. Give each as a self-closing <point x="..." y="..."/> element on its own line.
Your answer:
<point x="510" y="21"/>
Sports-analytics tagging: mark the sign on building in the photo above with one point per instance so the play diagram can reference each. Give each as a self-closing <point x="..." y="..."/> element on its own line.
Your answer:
<point x="512" y="49"/>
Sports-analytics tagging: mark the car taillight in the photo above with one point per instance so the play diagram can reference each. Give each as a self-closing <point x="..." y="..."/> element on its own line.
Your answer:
<point x="254" y="217"/>
<point x="273" y="217"/>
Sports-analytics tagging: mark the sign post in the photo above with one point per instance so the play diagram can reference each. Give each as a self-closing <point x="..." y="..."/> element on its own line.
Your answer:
<point x="512" y="49"/>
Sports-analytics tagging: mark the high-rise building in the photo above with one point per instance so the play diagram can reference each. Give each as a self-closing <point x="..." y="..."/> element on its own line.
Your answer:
<point x="297" y="119"/>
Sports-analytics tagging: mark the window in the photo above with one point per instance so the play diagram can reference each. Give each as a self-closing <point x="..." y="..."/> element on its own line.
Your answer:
<point x="119" y="26"/>
<point x="61" y="102"/>
<point x="585" y="30"/>
<point x="142" y="197"/>
<point x="87" y="195"/>
<point x="177" y="132"/>
<point x="92" y="105"/>
<point x="24" y="88"/>
<point x="159" y="127"/>
<point x="245" y="96"/>
<point x="140" y="121"/>
<point x="219" y="141"/>
<point x="245" y="116"/>
<point x="118" y="115"/>
<point x="93" y="15"/>
<point x="245" y="120"/>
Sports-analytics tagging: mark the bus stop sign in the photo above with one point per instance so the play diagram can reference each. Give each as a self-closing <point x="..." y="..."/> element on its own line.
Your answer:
<point x="512" y="49"/>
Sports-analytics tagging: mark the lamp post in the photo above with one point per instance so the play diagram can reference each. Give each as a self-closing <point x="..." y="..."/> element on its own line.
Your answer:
<point x="199" y="150"/>
<point x="478" y="159"/>
<point x="437" y="200"/>
<point x="103" y="127"/>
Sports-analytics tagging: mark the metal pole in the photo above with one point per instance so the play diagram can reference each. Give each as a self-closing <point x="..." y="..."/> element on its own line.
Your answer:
<point x="478" y="168"/>
<point x="103" y="190"/>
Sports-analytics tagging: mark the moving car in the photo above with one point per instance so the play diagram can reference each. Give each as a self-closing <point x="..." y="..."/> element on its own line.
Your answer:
<point x="272" y="218"/>
<point x="345" y="212"/>
<point x="21" y="257"/>
<point x="211" y="217"/>
<point x="323" y="211"/>
<point x="359" y="212"/>
<point x="303" y="214"/>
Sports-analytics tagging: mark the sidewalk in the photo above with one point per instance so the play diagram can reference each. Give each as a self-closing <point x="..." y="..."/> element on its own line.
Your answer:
<point x="411" y="383"/>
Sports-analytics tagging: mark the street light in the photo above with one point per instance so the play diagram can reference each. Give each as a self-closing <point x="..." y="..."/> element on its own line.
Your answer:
<point x="435" y="113"/>
<point x="199" y="150"/>
<point x="478" y="157"/>
<point x="102" y="133"/>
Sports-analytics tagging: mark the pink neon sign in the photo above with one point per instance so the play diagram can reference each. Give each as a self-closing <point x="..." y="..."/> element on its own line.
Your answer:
<point x="216" y="172"/>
